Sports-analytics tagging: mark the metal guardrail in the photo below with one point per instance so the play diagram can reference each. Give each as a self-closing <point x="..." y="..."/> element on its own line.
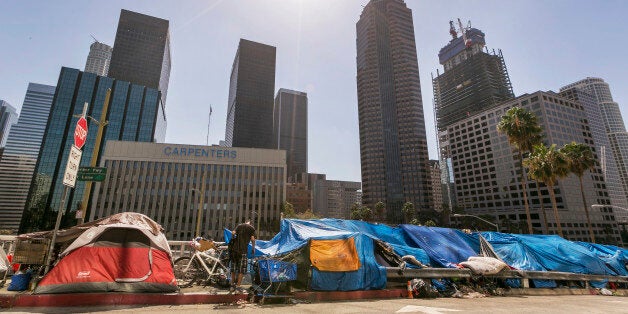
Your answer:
<point x="524" y="275"/>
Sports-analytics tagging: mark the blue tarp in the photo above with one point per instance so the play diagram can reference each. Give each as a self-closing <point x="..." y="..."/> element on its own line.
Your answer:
<point x="614" y="257"/>
<point x="444" y="246"/>
<point x="440" y="247"/>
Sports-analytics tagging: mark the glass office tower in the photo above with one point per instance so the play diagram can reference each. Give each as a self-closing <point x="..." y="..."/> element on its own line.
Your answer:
<point x="393" y="144"/>
<point x="136" y="113"/>
<point x="20" y="154"/>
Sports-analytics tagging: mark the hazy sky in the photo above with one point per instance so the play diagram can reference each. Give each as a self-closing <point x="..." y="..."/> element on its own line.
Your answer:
<point x="546" y="44"/>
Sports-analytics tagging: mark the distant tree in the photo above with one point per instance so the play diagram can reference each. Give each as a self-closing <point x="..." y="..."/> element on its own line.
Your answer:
<point x="380" y="208"/>
<point x="523" y="131"/>
<point x="307" y="214"/>
<point x="580" y="159"/>
<point x="408" y="211"/>
<point x="288" y="210"/>
<point x="430" y="223"/>
<point x="356" y="211"/>
<point x="547" y="165"/>
<point x="367" y="214"/>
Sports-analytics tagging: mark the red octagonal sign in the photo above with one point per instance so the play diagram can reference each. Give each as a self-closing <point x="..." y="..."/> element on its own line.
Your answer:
<point x="80" y="133"/>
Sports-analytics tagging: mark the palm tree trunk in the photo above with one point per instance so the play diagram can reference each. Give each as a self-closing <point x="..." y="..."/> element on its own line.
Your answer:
<point x="524" y="184"/>
<point x="586" y="210"/>
<point x="556" y="218"/>
<point x="538" y="190"/>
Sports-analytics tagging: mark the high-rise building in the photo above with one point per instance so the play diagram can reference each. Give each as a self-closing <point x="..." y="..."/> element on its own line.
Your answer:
<point x="141" y="51"/>
<point x="602" y="148"/>
<point x="20" y="154"/>
<point x="486" y="171"/>
<point x="251" y="91"/>
<point x="98" y="59"/>
<point x="473" y="79"/>
<point x="290" y="128"/>
<point x="135" y="113"/>
<point x="615" y="131"/>
<point x="393" y="145"/>
<point x="8" y="118"/>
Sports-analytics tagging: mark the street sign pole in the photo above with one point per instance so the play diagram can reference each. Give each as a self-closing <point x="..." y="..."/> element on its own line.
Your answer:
<point x="101" y="126"/>
<point x="74" y="160"/>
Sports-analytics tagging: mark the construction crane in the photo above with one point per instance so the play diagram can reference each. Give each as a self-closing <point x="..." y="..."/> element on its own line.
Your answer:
<point x="463" y="31"/>
<point x="452" y="30"/>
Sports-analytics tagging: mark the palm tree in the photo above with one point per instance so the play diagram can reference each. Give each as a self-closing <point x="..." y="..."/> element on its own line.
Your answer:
<point x="408" y="211"/>
<point x="547" y="165"/>
<point x="580" y="159"/>
<point x="523" y="132"/>
<point x="380" y="208"/>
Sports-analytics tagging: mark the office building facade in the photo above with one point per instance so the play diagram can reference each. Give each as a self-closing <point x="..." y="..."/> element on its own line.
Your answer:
<point x="602" y="149"/>
<point x="20" y="154"/>
<point x="251" y="90"/>
<point x="290" y="128"/>
<point x="141" y="51"/>
<point x="325" y="198"/>
<point x="615" y="128"/>
<point x="437" y="185"/>
<point x="135" y="113"/>
<point x="98" y="59"/>
<point x="393" y="145"/>
<point x="8" y="118"/>
<point x="486" y="171"/>
<point x="165" y="182"/>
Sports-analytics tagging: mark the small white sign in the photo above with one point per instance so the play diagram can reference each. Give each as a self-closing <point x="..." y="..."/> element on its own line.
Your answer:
<point x="69" y="178"/>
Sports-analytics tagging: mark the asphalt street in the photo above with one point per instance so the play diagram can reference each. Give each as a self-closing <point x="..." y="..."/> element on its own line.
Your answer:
<point x="571" y="304"/>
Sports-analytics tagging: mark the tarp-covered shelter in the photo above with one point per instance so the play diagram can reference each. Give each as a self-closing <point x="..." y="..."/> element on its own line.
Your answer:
<point x="331" y="246"/>
<point x="126" y="252"/>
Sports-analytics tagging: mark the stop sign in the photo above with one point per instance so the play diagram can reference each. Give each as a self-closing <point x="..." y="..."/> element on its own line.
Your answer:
<point x="80" y="133"/>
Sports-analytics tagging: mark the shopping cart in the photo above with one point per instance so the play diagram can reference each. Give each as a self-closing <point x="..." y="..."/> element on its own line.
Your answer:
<point x="270" y="274"/>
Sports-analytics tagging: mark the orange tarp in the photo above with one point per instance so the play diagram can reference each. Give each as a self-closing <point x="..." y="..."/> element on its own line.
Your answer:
<point x="334" y="255"/>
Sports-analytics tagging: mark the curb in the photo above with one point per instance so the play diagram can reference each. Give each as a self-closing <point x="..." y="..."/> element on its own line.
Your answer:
<point x="114" y="299"/>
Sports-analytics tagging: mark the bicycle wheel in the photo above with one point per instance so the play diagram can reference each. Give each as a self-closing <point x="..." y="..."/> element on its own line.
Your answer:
<point x="220" y="276"/>
<point x="186" y="277"/>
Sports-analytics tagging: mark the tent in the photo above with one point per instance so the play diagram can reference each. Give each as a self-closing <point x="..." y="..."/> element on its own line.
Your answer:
<point x="126" y="252"/>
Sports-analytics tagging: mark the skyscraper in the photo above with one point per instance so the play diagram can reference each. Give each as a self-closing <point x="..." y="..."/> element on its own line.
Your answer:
<point x="290" y="128"/>
<point x="20" y="154"/>
<point x="141" y="51"/>
<point x="135" y="114"/>
<point x="602" y="148"/>
<point x="98" y="59"/>
<point x="251" y="90"/>
<point x="473" y="79"/>
<point x="8" y="117"/>
<point x="393" y="146"/>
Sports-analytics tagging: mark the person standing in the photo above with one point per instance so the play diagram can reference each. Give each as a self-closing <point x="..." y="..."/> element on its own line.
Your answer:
<point x="242" y="235"/>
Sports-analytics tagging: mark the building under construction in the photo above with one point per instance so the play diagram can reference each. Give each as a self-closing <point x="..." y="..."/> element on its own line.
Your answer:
<point x="473" y="80"/>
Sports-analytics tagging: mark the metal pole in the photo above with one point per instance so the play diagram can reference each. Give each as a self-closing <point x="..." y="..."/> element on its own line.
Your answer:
<point x="54" y="232"/>
<point x="200" y="205"/>
<point x="101" y="128"/>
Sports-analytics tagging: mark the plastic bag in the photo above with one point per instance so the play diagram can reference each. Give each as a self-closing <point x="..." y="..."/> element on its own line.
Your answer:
<point x="20" y="281"/>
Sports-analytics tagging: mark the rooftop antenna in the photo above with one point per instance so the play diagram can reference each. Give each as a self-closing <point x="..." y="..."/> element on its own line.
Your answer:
<point x="94" y="38"/>
<point x="208" y="122"/>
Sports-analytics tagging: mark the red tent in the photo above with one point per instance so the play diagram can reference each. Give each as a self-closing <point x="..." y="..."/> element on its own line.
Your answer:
<point x="123" y="253"/>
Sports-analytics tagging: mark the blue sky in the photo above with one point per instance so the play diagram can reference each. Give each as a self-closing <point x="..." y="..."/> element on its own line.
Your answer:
<point x="546" y="44"/>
